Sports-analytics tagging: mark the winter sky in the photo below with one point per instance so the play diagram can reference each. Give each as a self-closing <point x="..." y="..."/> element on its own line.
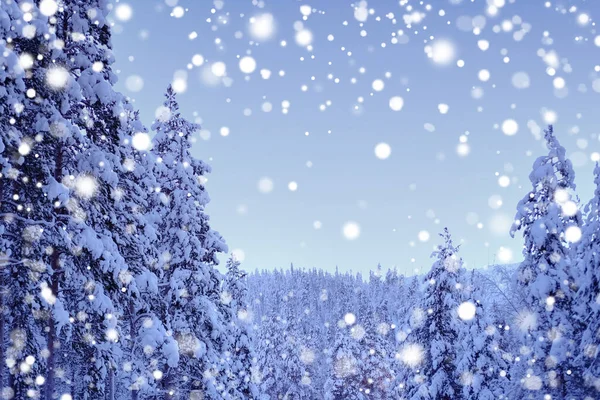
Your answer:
<point x="302" y="101"/>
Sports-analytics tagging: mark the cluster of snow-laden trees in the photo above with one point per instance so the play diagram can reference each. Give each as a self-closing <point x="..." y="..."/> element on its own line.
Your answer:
<point x="530" y="331"/>
<point x="109" y="286"/>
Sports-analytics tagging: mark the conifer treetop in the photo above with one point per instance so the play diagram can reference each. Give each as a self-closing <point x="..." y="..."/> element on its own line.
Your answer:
<point x="447" y="254"/>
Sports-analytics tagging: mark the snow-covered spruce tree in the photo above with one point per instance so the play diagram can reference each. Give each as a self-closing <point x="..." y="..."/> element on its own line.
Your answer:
<point x="410" y="316"/>
<point x="375" y="369"/>
<point x="98" y="279"/>
<point x="296" y="379"/>
<point x="69" y="92"/>
<point x="386" y="331"/>
<point x="269" y="345"/>
<point x="411" y="296"/>
<point x="187" y="248"/>
<point x="481" y="370"/>
<point x="395" y="287"/>
<point x="550" y="222"/>
<point x="588" y="296"/>
<point x="280" y="355"/>
<point x="8" y="240"/>
<point x="431" y="346"/>
<point x="13" y="90"/>
<point x="307" y="334"/>
<point x="122" y="180"/>
<point x="21" y="252"/>
<point x="53" y="233"/>
<point x="241" y="344"/>
<point x="345" y="380"/>
<point x="147" y="347"/>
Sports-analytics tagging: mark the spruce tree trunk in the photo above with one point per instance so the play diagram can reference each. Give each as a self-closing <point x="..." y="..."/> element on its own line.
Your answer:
<point x="166" y="383"/>
<point x="73" y="384"/>
<point x="132" y="336"/>
<point x="55" y="262"/>
<point x="111" y="383"/>
<point x="50" y="363"/>
<point x="11" y="383"/>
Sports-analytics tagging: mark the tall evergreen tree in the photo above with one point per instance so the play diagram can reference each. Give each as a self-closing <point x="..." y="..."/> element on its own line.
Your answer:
<point x="480" y="368"/>
<point x="56" y="231"/>
<point x="280" y="358"/>
<point x="74" y="200"/>
<point x="269" y="346"/>
<point x="437" y="334"/>
<point x="345" y="380"/>
<point x="21" y="248"/>
<point x="375" y="369"/>
<point x="550" y="222"/>
<point x="294" y="385"/>
<point x="117" y="182"/>
<point x="241" y="346"/>
<point x="588" y="296"/>
<point x="187" y="250"/>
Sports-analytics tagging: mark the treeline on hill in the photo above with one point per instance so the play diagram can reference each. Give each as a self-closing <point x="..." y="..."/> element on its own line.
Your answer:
<point x="521" y="332"/>
<point x="109" y="285"/>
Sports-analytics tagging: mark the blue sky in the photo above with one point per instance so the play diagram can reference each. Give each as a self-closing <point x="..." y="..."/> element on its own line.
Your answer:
<point x="478" y="79"/>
